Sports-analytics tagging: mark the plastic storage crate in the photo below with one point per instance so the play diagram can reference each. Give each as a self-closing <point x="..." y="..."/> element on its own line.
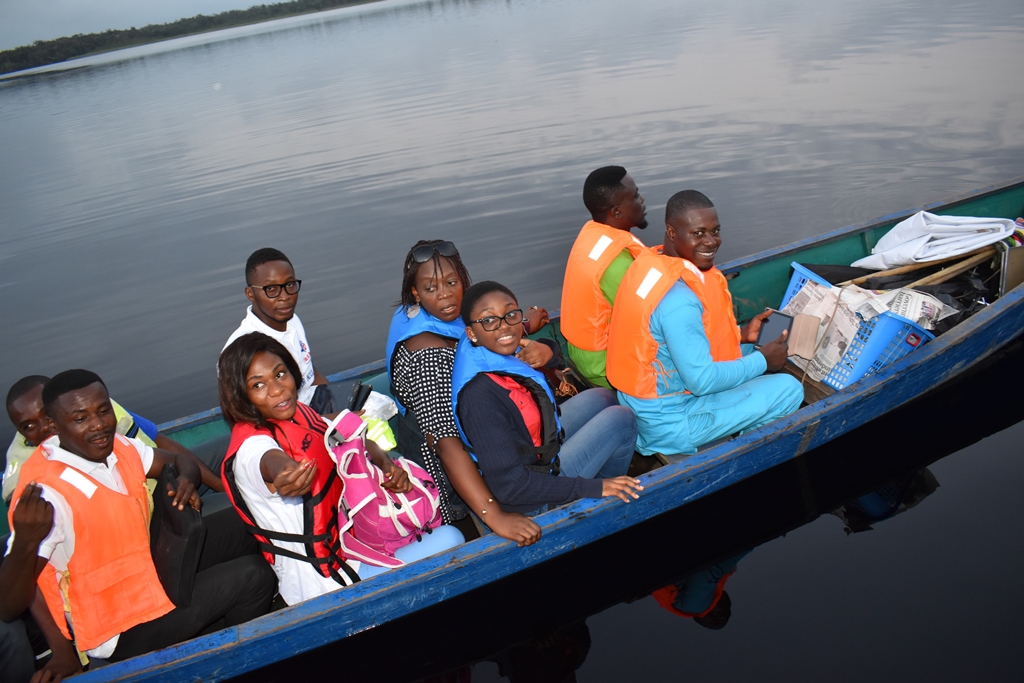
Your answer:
<point x="879" y="341"/>
<point x="800" y="277"/>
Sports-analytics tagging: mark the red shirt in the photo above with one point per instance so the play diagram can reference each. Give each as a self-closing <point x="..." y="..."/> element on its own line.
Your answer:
<point x="524" y="400"/>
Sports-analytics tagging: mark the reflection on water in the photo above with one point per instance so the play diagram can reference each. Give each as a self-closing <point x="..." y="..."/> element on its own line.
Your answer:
<point x="133" y="189"/>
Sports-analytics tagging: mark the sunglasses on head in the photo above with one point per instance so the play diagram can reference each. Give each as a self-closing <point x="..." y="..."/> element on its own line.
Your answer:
<point x="426" y="252"/>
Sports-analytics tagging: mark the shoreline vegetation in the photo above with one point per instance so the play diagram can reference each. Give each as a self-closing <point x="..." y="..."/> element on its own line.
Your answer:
<point x="45" y="52"/>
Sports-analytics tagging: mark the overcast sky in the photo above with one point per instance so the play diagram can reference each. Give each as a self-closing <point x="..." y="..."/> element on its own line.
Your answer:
<point x="25" y="21"/>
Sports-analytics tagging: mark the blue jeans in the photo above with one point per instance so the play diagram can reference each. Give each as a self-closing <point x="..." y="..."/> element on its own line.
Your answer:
<point x="599" y="436"/>
<point x="442" y="538"/>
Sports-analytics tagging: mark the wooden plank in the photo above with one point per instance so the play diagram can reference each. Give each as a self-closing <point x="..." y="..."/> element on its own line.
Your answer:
<point x="912" y="267"/>
<point x="948" y="273"/>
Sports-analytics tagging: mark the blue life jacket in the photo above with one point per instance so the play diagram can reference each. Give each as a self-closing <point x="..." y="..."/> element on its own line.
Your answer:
<point x="404" y="327"/>
<point x="472" y="360"/>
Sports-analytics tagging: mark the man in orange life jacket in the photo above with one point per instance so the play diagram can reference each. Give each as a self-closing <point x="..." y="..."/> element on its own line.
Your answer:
<point x="81" y="533"/>
<point x="675" y="351"/>
<point x="603" y="250"/>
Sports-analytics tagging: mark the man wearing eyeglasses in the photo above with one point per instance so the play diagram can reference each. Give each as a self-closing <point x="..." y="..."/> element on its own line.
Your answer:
<point x="603" y="251"/>
<point x="271" y="287"/>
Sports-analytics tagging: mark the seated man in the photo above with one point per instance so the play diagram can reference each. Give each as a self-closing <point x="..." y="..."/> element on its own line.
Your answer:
<point x="603" y="250"/>
<point x="674" y="352"/>
<point x="271" y="286"/>
<point x="80" y="520"/>
<point x="25" y="408"/>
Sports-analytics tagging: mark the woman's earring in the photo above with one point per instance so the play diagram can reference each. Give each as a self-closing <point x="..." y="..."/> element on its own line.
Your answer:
<point x="473" y="339"/>
<point x="413" y="310"/>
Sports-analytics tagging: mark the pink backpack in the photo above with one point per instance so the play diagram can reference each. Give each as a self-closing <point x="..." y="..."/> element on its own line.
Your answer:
<point x="381" y="519"/>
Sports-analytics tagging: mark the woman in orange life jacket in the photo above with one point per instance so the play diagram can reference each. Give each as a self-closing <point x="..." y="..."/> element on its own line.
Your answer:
<point x="420" y="352"/>
<point x="531" y="456"/>
<point x="282" y="481"/>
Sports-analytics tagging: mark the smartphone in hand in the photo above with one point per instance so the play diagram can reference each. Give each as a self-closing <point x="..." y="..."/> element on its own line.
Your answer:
<point x="773" y="327"/>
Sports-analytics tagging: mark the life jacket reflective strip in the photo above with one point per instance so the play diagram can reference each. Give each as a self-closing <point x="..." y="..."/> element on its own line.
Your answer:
<point x="586" y="314"/>
<point x="405" y="327"/>
<point x="666" y="597"/>
<point x="632" y="350"/>
<point x="300" y="438"/>
<point x="111" y="583"/>
<point x="472" y="360"/>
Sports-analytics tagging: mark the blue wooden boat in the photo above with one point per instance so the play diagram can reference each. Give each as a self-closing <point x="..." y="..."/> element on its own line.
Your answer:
<point x="756" y="282"/>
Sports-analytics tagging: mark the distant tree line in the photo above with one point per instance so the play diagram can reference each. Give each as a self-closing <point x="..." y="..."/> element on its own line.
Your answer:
<point x="61" y="49"/>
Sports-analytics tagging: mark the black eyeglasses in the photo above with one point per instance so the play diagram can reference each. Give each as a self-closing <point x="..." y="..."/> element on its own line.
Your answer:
<point x="426" y="252"/>
<point x="493" y="322"/>
<point x="274" y="291"/>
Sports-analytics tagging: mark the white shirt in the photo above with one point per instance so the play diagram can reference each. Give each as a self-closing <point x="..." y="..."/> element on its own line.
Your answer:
<point x="59" y="545"/>
<point x="293" y="339"/>
<point x="297" y="580"/>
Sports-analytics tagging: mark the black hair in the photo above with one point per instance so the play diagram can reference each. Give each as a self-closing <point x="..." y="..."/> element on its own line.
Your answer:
<point x="411" y="268"/>
<point x="23" y="386"/>
<point x="479" y="291"/>
<point x="64" y="382"/>
<point x="600" y="188"/>
<point x="261" y="256"/>
<point x="233" y="371"/>
<point x="684" y="201"/>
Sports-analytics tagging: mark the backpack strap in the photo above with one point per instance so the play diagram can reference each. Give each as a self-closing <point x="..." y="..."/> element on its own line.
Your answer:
<point x="345" y="427"/>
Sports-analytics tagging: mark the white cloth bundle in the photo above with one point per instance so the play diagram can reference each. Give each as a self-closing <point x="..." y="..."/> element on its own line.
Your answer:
<point x="927" y="237"/>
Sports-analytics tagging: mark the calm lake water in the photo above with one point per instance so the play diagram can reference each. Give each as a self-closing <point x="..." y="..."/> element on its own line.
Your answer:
<point x="133" y="189"/>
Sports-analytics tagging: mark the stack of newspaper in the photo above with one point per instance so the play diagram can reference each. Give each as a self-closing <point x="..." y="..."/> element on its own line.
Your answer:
<point x="827" y="320"/>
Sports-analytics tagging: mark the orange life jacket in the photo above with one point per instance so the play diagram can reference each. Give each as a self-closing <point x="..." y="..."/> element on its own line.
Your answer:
<point x="111" y="583"/>
<point x="586" y="314"/>
<point x="632" y="351"/>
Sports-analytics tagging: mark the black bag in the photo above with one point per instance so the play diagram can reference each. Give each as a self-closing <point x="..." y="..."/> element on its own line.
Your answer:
<point x="175" y="540"/>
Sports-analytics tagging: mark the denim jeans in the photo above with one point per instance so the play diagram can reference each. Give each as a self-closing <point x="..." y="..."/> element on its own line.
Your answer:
<point x="599" y="435"/>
